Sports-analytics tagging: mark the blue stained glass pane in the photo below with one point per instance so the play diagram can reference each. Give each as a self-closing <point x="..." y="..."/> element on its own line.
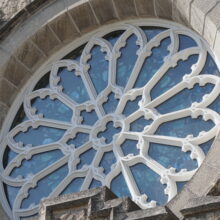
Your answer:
<point x="73" y="86"/>
<point x="11" y="193"/>
<point x="89" y="118"/>
<point x="39" y="136"/>
<point x="171" y="156"/>
<point x="126" y="61"/>
<point x="86" y="158"/>
<point x="129" y="147"/>
<point x="151" y="32"/>
<point x="79" y="140"/>
<point x="45" y="186"/>
<point x="215" y="105"/>
<point x="180" y="185"/>
<point x="9" y="155"/>
<point x="31" y="216"/>
<point x="185" y="98"/>
<point x="148" y="182"/>
<point x="184" y="126"/>
<point x="74" y="186"/>
<point x="207" y="145"/>
<point x="113" y="36"/>
<point x="139" y="124"/>
<point x="53" y="109"/>
<point x="95" y="183"/>
<point x="109" y="132"/>
<point x="37" y="163"/>
<point x="210" y="67"/>
<point x="186" y="42"/>
<point x="119" y="186"/>
<point x="111" y="103"/>
<point x="153" y="63"/>
<point x="107" y="160"/>
<point x="98" y="71"/>
<point x="131" y="106"/>
<point x="173" y="76"/>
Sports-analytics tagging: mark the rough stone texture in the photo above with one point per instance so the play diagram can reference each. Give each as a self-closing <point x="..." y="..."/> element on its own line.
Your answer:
<point x="163" y="9"/>
<point x="199" y="11"/>
<point x="99" y="203"/>
<point x="143" y="9"/>
<point x="215" y="191"/>
<point x="3" y="113"/>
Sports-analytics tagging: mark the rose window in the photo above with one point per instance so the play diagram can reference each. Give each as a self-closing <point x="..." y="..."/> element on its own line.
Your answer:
<point x="135" y="109"/>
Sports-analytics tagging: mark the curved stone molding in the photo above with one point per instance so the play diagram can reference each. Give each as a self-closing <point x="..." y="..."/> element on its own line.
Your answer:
<point x="32" y="37"/>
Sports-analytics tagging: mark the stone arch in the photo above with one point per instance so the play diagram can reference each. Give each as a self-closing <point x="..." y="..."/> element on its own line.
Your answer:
<point x="42" y="28"/>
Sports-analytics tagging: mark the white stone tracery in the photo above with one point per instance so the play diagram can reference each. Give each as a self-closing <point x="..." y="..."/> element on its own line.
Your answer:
<point x="146" y="109"/>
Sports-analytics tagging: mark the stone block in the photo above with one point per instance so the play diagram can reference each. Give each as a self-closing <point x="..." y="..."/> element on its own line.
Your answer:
<point x="204" y="179"/>
<point x="64" y="28"/>
<point x="125" y="8"/>
<point x="181" y="11"/>
<point x="7" y="92"/>
<point x="213" y="157"/>
<point x="3" y="113"/>
<point x="145" y="8"/>
<point x="15" y="72"/>
<point x="46" y="40"/>
<point x="3" y="61"/>
<point x="104" y="10"/>
<point x="84" y="17"/>
<point x="199" y="9"/>
<point x="163" y="9"/>
<point x="212" y="23"/>
<point x="29" y="55"/>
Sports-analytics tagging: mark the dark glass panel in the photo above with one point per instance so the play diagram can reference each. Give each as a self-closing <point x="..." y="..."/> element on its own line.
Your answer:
<point x="185" y="98"/>
<point x="11" y="193"/>
<point x="52" y="109"/>
<point x="210" y="67"/>
<point x="98" y="71"/>
<point x="126" y="61"/>
<point x="44" y="187"/>
<point x="172" y="156"/>
<point x="151" y="32"/>
<point x="186" y="42"/>
<point x="86" y="158"/>
<point x="111" y="104"/>
<point x="37" y="163"/>
<point x="19" y="118"/>
<point x="184" y="126"/>
<point x="75" y="54"/>
<point x="39" y="136"/>
<point x="74" y="186"/>
<point x="9" y="155"/>
<point x="207" y="145"/>
<point x="153" y="63"/>
<point x="108" y="159"/>
<point x="129" y="147"/>
<point x="131" y="106"/>
<point x="173" y="76"/>
<point x="43" y="82"/>
<point x="119" y="186"/>
<point x="148" y="182"/>
<point x="73" y="86"/>
<point x="113" y="36"/>
<point x="79" y="140"/>
<point x="109" y="132"/>
<point x="89" y="118"/>
<point x="95" y="183"/>
<point x="139" y="124"/>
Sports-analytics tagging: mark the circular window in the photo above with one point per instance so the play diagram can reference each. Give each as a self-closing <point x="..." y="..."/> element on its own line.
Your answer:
<point x="135" y="109"/>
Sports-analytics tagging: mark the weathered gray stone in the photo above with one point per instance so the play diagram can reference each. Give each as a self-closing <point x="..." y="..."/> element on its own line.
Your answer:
<point x="213" y="156"/>
<point x="163" y="9"/>
<point x="181" y="11"/>
<point x="29" y="55"/>
<point x="215" y="190"/>
<point x="84" y="17"/>
<point x="199" y="9"/>
<point x="7" y="92"/>
<point x="104" y="10"/>
<point x="145" y="8"/>
<point x="46" y="40"/>
<point x="216" y="45"/>
<point x="125" y="8"/>
<point x="3" y="113"/>
<point x="212" y="23"/>
<point x="64" y="28"/>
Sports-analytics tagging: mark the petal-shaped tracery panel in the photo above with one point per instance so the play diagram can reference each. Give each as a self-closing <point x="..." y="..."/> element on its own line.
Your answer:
<point x="137" y="110"/>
